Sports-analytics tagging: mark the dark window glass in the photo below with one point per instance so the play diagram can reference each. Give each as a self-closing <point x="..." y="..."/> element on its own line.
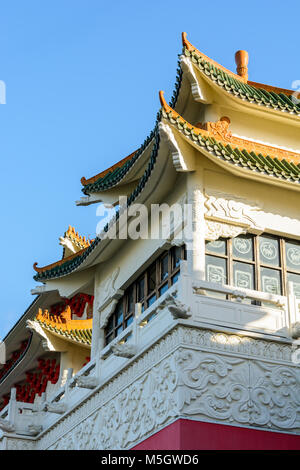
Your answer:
<point x="110" y="324"/>
<point x="119" y="312"/>
<point x="140" y="289"/>
<point x="109" y="338"/>
<point x="119" y="330"/>
<point x="163" y="289"/>
<point x="163" y="273"/>
<point x="130" y="300"/>
<point x="164" y="268"/>
<point x="151" y="278"/>
<point x="129" y="320"/>
<point x="176" y="252"/>
<point x="151" y="300"/>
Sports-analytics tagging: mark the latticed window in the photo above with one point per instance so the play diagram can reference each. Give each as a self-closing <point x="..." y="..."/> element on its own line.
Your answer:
<point x="155" y="280"/>
<point x="263" y="262"/>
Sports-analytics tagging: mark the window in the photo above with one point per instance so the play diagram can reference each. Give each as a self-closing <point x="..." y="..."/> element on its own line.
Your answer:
<point x="263" y="262"/>
<point x="157" y="279"/>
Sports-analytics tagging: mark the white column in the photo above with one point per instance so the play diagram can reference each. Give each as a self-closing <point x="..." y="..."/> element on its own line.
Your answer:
<point x="196" y="248"/>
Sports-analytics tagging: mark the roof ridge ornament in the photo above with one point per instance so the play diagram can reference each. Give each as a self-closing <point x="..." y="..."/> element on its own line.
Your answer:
<point x="163" y="101"/>
<point x="241" y="60"/>
<point x="219" y="128"/>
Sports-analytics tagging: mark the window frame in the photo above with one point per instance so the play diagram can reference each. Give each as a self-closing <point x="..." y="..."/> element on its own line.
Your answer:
<point x="282" y="268"/>
<point x="127" y="314"/>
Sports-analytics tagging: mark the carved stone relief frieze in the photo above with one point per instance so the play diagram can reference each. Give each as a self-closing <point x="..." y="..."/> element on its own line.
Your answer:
<point x="230" y="210"/>
<point x="211" y="376"/>
<point x="239" y="391"/>
<point x="215" y="230"/>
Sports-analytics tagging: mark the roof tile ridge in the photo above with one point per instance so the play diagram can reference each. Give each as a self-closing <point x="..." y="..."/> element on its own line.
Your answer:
<point x="55" y="321"/>
<point x="192" y="48"/>
<point x="76" y="238"/>
<point x="93" y="179"/>
<point x="271" y="88"/>
<point x="59" y="262"/>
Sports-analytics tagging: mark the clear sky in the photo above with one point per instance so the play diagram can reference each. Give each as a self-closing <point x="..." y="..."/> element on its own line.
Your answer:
<point x="82" y="82"/>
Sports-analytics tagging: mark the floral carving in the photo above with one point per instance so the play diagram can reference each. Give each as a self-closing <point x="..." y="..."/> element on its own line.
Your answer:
<point x="239" y="391"/>
<point x="215" y="230"/>
<point x="139" y="409"/>
<point x="219" y="129"/>
<point x="192" y="372"/>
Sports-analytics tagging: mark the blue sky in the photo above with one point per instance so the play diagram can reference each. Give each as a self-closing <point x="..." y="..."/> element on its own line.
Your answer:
<point x="82" y="82"/>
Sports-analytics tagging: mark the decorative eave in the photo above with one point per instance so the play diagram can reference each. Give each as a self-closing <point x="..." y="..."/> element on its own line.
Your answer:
<point x="243" y="154"/>
<point x="72" y="242"/>
<point x="277" y="99"/>
<point x="76" y="331"/>
<point x="60" y="262"/>
<point x="111" y="176"/>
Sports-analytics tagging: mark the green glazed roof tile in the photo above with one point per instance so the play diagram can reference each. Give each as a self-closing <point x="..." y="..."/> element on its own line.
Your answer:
<point x="240" y="157"/>
<point x="277" y="101"/>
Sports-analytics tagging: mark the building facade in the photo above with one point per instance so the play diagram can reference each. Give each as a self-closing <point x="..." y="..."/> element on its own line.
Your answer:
<point x="177" y="327"/>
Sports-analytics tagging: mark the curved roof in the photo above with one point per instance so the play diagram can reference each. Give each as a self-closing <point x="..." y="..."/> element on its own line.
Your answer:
<point x="76" y="331"/>
<point x="257" y="157"/>
<point x="278" y="99"/>
<point x="275" y="162"/>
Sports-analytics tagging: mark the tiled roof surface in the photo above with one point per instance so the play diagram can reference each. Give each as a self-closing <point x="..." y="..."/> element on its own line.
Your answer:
<point x="76" y="335"/>
<point x="79" y="331"/>
<point x="242" y="157"/>
<point x="235" y="86"/>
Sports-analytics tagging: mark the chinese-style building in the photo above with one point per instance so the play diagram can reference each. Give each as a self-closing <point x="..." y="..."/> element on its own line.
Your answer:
<point x="183" y="341"/>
